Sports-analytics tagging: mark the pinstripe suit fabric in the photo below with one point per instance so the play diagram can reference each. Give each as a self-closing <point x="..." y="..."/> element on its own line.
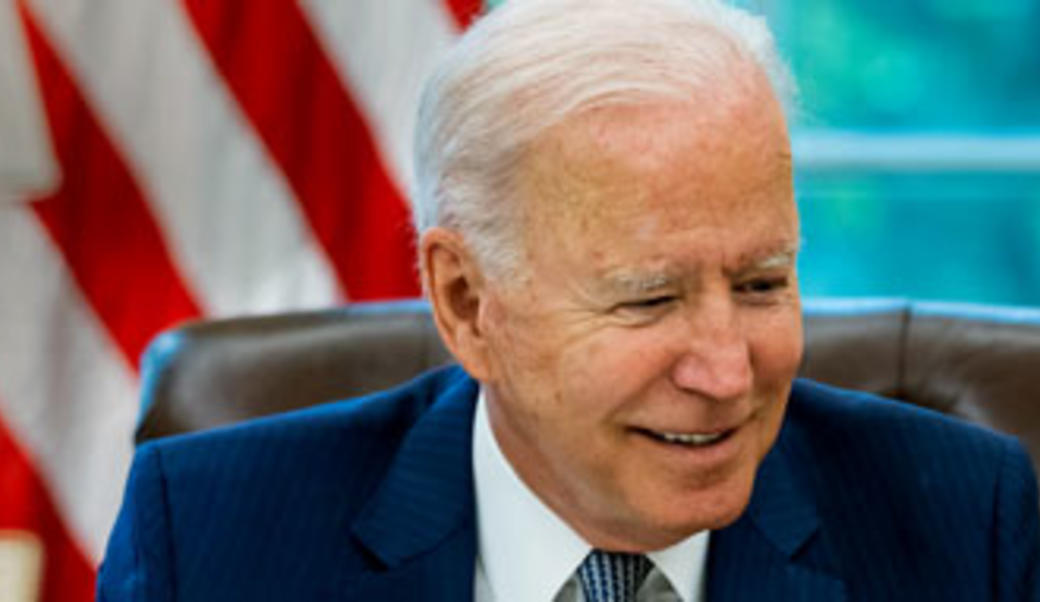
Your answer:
<point x="861" y="499"/>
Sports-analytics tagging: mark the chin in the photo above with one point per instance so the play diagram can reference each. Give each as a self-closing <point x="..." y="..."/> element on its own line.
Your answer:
<point x="676" y="517"/>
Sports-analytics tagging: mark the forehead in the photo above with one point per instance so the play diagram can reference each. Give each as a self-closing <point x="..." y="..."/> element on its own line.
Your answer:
<point x="660" y="176"/>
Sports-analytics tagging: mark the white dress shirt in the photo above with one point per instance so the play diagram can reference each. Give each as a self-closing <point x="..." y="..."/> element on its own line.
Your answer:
<point x="525" y="553"/>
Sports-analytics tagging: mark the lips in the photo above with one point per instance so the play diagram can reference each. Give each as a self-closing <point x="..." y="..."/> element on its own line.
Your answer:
<point x="691" y="439"/>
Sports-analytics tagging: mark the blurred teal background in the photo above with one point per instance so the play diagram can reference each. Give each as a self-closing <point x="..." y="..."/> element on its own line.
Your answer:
<point x="944" y="203"/>
<point x="917" y="145"/>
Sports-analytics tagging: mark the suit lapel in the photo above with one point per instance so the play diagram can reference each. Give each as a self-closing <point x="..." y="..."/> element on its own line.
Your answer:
<point x="421" y="522"/>
<point x="445" y="574"/>
<point x="771" y="552"/>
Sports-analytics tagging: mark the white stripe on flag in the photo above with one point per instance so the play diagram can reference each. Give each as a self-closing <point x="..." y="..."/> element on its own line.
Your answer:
<point x="227" y="214"/>
<point x="27" y="164"/>
<point x="66" y="392"/>
<point x="383" y="50"/>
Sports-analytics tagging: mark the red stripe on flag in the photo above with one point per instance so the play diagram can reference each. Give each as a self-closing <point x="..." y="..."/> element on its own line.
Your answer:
<point x="464" y="11"/>
<point x="26" y="506"/>
<point x="287" y="87"/>
<point x="99" y="220"/>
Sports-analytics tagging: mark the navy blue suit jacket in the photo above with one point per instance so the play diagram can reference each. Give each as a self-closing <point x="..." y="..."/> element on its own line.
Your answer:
<point x="372" y="499"/>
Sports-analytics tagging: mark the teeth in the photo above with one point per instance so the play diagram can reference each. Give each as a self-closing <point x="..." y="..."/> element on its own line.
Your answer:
<point x="690" y="438"/>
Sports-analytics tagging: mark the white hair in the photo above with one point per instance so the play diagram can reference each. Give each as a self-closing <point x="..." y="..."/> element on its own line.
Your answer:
<point x="530" y="64"/>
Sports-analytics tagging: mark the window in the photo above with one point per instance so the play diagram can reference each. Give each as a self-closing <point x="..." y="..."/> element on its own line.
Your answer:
<point x="917" y="146"/>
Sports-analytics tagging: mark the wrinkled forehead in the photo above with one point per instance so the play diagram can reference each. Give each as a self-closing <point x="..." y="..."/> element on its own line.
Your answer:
<point x="733" y="145"/>
<point x="634" y="184"/>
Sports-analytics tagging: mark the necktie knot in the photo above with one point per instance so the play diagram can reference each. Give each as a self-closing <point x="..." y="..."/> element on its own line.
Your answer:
<point x="612" y="576"/>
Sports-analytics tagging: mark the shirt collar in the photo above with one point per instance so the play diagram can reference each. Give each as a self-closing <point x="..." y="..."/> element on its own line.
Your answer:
<point x="683" y="564"/>
<point x="527" y="552"/>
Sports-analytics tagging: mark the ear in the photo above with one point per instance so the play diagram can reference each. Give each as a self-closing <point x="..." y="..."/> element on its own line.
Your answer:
<point x="458" y="295"/>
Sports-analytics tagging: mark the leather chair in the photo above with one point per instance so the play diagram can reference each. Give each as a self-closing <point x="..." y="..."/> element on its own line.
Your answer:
<point x="979" y="363"/>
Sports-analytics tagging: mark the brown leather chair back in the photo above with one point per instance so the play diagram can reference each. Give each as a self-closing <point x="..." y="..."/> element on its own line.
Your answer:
<point x="210" y="373"/>
<point x="979" y="363"/>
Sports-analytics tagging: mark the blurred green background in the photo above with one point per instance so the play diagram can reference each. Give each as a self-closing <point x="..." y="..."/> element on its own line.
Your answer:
<point x="917" y="145"/>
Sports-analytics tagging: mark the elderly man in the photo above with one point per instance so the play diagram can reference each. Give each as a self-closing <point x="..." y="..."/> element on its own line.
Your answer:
<point x="607" y="238"/>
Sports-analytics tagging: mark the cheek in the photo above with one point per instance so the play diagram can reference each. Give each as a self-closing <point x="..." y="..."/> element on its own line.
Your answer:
<point x="776" y="350"/>
<point x="537" y="366"/>
<point x="776" y="357"/>
<point x="513" y="339"/>
<point x="614" y="367"/>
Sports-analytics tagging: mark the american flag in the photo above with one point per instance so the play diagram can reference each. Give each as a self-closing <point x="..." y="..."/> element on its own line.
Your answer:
<point x="167" y="160"/>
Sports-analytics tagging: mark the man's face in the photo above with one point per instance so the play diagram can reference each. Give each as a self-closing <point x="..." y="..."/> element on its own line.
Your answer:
<point x="640" y="373"/>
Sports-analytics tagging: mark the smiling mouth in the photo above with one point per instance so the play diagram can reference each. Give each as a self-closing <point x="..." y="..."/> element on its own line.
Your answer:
<point x="688" y="439"/>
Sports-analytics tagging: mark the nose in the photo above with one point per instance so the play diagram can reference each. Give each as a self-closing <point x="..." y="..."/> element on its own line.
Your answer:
<point x="715" y="361"/>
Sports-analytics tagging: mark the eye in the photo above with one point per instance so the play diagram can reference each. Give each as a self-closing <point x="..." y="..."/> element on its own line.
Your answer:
<point x="762" y="286"/>
<point x="645" y="310"/>
<point x="649" y="302"/>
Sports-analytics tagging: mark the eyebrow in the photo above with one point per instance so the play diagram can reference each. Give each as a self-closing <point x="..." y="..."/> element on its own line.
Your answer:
<point x="781" y="259"/>
<point x="636" y="283"/>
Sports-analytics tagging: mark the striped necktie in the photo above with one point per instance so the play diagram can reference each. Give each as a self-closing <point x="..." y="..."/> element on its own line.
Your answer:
<point x="612" y="576"/>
